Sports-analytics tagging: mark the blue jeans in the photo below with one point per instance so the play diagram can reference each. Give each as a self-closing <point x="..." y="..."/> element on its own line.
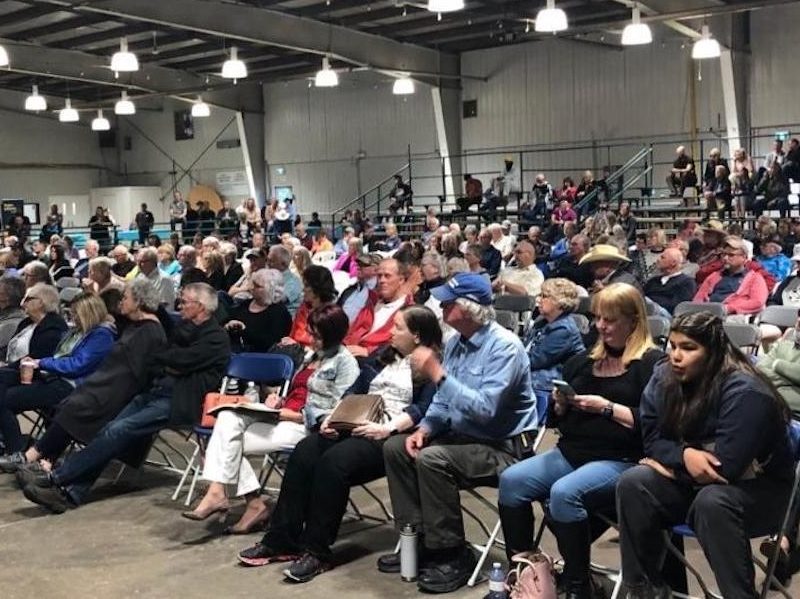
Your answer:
<point x="550" y="477"/>
<point x="146" y="414"/>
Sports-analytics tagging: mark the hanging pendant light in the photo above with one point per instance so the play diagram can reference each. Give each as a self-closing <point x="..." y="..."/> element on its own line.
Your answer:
<point x="403" y="86"/>
<point x="68" y="114"/>
<point x="706" y="46"/>
<point x="440" y="6"/>
<point x="233" y="68"/>
<point x="124" y="106"/>
<point x="636" y="33"/>
<point x="200" y="109"/>
<point x="124" y="61"/>
<point x="326" y="77"/>
<point x="35" y="102"/>
<point x="551" y="19"/>
<point x="100" y="123"/>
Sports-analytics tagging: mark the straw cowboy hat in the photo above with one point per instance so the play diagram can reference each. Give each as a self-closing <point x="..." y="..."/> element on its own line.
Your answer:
<point x="604" y="252"/>
<point x="714" y="226"/>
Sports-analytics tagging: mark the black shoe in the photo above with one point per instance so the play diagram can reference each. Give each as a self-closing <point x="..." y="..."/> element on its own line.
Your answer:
<point x="33" y="474"/>
<point x="306" y="568"/>
<point x="389" y="563"/>
<point x="11" y="462"/>
<point x="448" y="575"/>
<point x="787" y="565"/>
<point x="261" y="555"/>
<point x="52" y="498"/>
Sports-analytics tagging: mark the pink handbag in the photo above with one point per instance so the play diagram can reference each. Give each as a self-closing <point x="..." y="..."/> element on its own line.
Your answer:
<point x="535" y="577"/>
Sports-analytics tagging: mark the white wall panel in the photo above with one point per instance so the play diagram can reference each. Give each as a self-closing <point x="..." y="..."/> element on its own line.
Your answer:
<point x="315" y="135"/>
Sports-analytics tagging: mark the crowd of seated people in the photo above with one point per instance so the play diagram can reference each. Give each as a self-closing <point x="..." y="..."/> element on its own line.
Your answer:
<point x="413" y="321"/>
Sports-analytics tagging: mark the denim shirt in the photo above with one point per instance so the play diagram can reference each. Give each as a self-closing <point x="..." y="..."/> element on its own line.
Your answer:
<point x="487" y="392"/>
<point x="334" y="375"/>
<point x="550" y="345"/>
<point x="293" y="290"/>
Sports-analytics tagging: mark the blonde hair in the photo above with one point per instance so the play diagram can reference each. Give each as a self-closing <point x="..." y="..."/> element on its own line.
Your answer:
<point x="89" y="311"/>
<point x="623" y="300"/>
<point x="563" y="292"/>
<point x="166" y="248"/>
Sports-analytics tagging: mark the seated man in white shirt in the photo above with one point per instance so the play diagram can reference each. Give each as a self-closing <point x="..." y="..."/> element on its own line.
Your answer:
<point x="502" y="243"/>
<point x="147" y="261"/>
<point x="522" y="279"/>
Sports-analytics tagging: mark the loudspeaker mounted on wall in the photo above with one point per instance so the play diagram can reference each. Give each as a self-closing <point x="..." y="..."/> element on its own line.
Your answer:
<point x="470" y="109"/>
<point x="107" y="139"/>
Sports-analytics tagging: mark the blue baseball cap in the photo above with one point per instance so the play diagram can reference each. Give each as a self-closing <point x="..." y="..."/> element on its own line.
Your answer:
<point x="468" y="285"/>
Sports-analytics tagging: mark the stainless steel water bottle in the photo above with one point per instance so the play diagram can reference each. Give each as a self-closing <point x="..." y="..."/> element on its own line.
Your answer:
<point x="408" y="553"/>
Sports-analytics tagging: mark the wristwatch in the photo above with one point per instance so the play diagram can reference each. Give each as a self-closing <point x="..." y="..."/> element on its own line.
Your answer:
<point x="608" y="411"/>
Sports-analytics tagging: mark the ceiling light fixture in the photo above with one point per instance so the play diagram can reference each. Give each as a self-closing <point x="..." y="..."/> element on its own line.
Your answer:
<point x="100" y="123"/>
<point x="124" y="61"/>
<point x="124" y="106"/>
<point x="3" y="57"/>
<point x="35" y="102"/>
<point x="636" y="33"/>
<point x="233" y="68"/>
<point x="551" y="19"/>
<point x="440" y="6"/>
<point x="403" y="86"/>
<point x="706" y="46"/>
<point x="326" y="77"/>
<point x="68" y="114"/>
<point x="200" y="109"/>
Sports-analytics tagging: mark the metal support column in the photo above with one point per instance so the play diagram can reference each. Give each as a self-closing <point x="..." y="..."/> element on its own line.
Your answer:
<point x="729" y="99"/>
<point x="251" y="136"/>
<point x="448" y="134"/>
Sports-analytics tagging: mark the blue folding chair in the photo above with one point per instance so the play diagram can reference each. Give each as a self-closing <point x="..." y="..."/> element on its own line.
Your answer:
<point x="684" y="530"/>
<point x="542" y="404"/>
<point x="261" y="368"/>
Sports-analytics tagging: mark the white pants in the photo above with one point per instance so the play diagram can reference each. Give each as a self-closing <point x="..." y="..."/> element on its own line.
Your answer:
<point x="237" y="435"/>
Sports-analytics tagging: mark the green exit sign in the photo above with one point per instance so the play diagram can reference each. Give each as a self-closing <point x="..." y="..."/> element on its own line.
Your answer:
<point x="781" y="135"/>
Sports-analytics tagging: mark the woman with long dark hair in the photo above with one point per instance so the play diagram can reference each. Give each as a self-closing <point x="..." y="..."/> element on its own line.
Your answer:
<point x="325" y="464"/>
<point x="718" y="457"/>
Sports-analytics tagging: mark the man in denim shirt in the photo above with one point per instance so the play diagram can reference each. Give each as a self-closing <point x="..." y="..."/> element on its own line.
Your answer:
<point x="483" y="400"/>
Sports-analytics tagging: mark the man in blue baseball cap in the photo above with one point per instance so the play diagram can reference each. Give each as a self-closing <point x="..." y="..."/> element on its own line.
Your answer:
<point x="482" y="404"/>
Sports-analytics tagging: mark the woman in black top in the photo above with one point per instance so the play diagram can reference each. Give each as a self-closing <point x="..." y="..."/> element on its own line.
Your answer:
<point x="718" y="458"/>
<point x="600" y="437"/>
<point x="259" y="323"/>
<point x="59" y="265"/>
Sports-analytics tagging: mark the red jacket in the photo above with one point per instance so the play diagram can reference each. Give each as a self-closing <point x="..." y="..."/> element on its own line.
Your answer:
<point x="750" y="298"/>
<point x="359" y="333"/>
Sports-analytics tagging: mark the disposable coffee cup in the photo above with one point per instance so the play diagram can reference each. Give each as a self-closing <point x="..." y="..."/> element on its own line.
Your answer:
<point x="26" y="372"/>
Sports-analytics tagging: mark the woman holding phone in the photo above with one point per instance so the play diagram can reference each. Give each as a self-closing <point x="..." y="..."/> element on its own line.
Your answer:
<point x="599" y="440"/>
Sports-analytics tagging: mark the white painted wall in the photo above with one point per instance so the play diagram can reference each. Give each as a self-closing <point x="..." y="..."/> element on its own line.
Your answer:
<point x="316" y="134"/>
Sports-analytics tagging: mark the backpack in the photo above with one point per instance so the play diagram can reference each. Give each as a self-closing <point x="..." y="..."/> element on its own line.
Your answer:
<point x="534" y="576"/>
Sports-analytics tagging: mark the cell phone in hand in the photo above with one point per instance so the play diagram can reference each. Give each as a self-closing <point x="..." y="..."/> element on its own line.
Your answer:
<point x="565" y="389"/>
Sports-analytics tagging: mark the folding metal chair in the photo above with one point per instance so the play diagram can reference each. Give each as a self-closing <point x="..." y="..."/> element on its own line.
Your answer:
<point x="521" y="305"/>
<point x="67" y="294"/>
<point x="542" y="402"/>
<point x="659" y="329"/>
<point x="507" y="320"/>
<point x="716" y="308"/>
<point x="769" y="568"/>
<point x="257" y="367"/>
<point x="744" y="336"/>
<point x="68" y="283"/>
<point x="783" y="317"/>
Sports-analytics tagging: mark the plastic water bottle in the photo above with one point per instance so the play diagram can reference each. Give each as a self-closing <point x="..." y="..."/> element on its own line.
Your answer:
<point x="232" y="388"/>
<point x="408" y="553"/>
<point x="497" y="582"/>
<point x="251" y="393"/>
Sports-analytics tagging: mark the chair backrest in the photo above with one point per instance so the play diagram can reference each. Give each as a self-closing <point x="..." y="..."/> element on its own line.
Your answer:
<point x="65" y="282"/>
<point x="659" y="329"/>
<point x="507" y="319"/>
<point x="67" y="294"/>
<point x="716" y="308"/>
<point x="262" y="368"/>
<point x="582" y="322"/>
<point x="742" y="335"/>
<point x="783" y="317"/>
<point x="584" y="305"/>
<point x="514" y="303"/>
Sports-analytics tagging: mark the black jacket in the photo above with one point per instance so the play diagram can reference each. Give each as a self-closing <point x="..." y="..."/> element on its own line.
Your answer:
<point x="46" y="336"/>
<point x="196" y="358"/>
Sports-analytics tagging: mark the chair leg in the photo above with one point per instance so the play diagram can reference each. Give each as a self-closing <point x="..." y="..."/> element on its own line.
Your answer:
<point x="189" y="467"/>
<point x="484" y="554"/>
<point x="681" y="558"/>
<point x="190" y="494"/>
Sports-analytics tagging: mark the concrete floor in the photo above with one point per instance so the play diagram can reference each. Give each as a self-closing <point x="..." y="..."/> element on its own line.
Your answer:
<point x="131" y="541"/>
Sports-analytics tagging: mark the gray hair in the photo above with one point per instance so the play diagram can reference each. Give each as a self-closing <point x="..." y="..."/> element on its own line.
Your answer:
<point x="39" y="271"/>
<point x="93" y="243"/>
<point x="148" y="254"/>
<point x="357" y="241"/>
<point x="102" y="265"/>
<point x="188" y="251"/>
<point x="436" y="260"/>
<point x="470" y="230"/>
<point x="478" y="313"/>
<point x="47" y="294"/>
<point x="228" y="251"/>
<point x="272" y="280"/>
<point x="144" y="294"/>
<point x="205" y="295"/>
<point x="14" y="288"/>
<point x="282" y="256"/>
<point x="457" y="265"/>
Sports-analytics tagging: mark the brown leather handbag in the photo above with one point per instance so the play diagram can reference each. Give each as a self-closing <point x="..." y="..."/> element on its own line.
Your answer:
<point x="355" y="410"/>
